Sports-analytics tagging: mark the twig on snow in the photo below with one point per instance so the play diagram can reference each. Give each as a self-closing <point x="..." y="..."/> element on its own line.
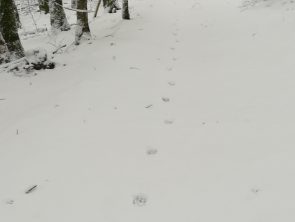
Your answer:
<point x="31" y="189"/>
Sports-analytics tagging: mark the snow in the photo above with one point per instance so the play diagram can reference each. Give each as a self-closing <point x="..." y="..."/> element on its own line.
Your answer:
<point x="98" y="143"/>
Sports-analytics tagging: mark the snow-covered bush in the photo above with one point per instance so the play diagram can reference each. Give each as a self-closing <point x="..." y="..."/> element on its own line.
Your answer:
<point x="35" y="59"/>
<point x="38" y="59"/>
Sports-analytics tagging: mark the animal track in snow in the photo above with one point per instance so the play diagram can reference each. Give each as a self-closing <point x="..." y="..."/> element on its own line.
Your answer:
<point x="204" y="26"/>
<point x="169" y="121"/>
<point x="255" y="190"/>
<point x="196" y="5"/>
<point x="140" y="200"/>
<point x="171" y="83"/>
<point x="151" y="151"/>
<point x="134" y="68"/>
<point x="165" y="99"/>
<point x="9" y="201"/>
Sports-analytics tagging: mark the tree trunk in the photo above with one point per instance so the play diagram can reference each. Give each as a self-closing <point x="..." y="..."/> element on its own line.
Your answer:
<point x="111" y="5"/>
<point x="44" y="6"/>
<point x="9" y="24"/>
<point x="107" y="3"/>
<point x="82" y="21"/>
<point x="18" y="23"/>
<point x="125" y="10"/>
<point x="4" y="53"/>
<point x="58" y="18"/>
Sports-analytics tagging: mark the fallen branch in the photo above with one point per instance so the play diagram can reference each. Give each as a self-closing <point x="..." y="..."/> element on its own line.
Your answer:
<point x="6" y="65"/>
<point x="59" y="48"/>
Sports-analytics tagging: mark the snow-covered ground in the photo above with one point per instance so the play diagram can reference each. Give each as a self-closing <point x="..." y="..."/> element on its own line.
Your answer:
<point x="184" y="113"/>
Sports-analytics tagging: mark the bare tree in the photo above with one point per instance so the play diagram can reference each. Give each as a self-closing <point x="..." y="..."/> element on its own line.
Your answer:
<point x="125" y="10"/>
<point x="82" y="21"/>
<point x="9" y="24"/>
<point x="58" y="19"/>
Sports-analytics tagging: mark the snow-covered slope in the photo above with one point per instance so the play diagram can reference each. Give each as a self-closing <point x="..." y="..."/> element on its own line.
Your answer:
<point x="184" y="113"/>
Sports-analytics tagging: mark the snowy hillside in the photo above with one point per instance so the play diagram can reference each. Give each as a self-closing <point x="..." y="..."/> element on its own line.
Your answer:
<point x="184" y="113"/>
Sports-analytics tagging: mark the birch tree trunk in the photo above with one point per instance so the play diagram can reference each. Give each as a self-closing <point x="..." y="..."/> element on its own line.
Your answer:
<point x="82" y="22"/>
<point x="58" y="19"/>
<point x="9" y="24"/>
<point x="125" y="10"/>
